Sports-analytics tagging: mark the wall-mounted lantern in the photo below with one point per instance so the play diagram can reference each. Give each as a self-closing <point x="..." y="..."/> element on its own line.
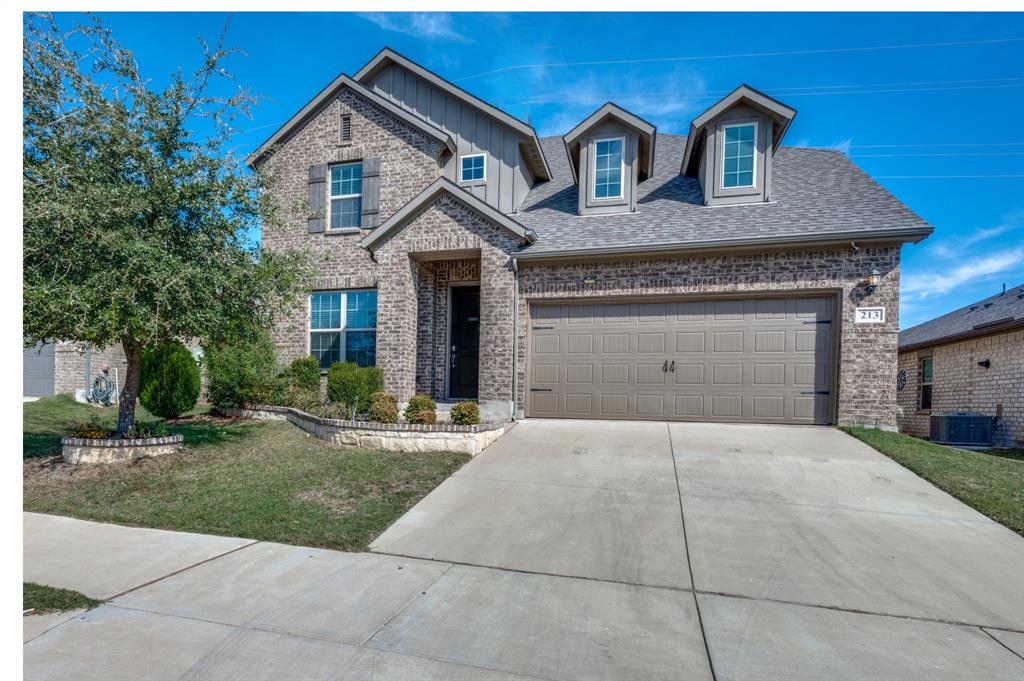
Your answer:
<point x="873" y="280"/>
<point x="985" y="363"/>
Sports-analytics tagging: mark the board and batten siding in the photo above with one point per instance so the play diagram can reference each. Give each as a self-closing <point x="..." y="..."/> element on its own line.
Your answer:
<point x="474" y="132"/>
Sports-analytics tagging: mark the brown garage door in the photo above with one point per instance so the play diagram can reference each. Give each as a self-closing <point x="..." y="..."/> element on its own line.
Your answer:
<point x="768" y="360"/>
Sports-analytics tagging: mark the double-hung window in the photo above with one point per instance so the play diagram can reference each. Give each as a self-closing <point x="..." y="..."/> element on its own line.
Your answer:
<point x="738" y="155"/>
<point x="473" y="168"/>
<point x="346" y="195"/>
<point x="926" y="383"/>
<point x="608" y="169"/>
<point x="343" y="327"/>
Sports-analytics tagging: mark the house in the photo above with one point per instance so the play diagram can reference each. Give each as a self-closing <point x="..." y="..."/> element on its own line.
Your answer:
<point x="54" y="368"/>
<point x="611" y="272"/>
<point x="970" y="360"/>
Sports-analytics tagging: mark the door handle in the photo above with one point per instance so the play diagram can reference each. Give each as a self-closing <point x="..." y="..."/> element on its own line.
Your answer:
<point x="453" y="357"/>
<point x="664" y="367"/>
<point x="673" y="367"/>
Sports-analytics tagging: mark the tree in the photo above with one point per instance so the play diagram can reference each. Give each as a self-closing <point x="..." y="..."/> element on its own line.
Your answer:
<point x="135" y="207"/>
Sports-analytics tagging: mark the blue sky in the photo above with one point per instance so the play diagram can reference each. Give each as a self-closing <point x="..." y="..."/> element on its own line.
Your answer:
<point x="938" y="125"/>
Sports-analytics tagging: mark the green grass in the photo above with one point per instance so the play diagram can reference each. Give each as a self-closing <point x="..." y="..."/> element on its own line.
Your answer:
<point x="991" y="482"/>
<point x="45" y="599"/>
<point x="261" y="480"/>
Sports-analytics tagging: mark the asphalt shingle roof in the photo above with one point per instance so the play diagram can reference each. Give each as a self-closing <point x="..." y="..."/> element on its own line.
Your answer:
<point x="992" y="312"/>
<point x="814" y="192"/>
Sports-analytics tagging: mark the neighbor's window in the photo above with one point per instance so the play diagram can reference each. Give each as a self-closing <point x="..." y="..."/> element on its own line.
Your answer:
<point x="608" y="169"/>
<point x="738" y="155"/>
<point x="474" y="168"/>
<point x="926" y="383"/>
<point x="343" y="327"/>
<point x="346" y="195"/>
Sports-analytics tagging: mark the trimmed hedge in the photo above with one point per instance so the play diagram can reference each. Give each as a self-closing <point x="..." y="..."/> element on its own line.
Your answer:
<point x="420" y="407"/>
<point x="465" y="414"/>
<point x="170" y="380"/>
<point x="243" y="372"/>
<point x="353" y="386"/>
<point x="383" y="408"/>
<point x="304" y="374"/>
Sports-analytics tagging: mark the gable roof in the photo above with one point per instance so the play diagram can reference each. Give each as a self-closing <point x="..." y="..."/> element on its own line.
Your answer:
<point x="387" y="56"/>
<point x="646" y="131"/>
<point x="443" y="185"/>
<point x="996" y="313"/>
<point x="744" y="94"/>
<point x="819" y="196"/>
<point x="344" y="81"/>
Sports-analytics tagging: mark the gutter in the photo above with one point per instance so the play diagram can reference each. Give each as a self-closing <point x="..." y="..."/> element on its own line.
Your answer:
<point x="912" y="235"/>
<point x="965" y="335"/>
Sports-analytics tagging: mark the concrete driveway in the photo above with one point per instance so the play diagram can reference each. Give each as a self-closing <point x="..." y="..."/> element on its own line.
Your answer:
<point x="583" y="550"/>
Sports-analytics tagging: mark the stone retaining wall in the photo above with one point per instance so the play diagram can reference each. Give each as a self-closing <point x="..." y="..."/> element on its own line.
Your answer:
<point x="397" y="437"/>
<point x="88" y="450"/>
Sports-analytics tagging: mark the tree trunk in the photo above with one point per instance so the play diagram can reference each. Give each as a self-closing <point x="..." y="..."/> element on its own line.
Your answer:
<point x="130" y="389"/>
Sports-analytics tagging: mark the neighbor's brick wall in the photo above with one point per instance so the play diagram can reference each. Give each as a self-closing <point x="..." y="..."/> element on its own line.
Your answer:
<point x="445" y="225"/>
<point x="959" y="384"/>
<point x="867" y="354"/>
<point x="69" y="365"/>
<point x="409" y="161"/>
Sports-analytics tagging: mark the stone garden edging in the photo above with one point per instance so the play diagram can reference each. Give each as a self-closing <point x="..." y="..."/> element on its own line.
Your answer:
<point x="396" y="437"/>
<point x="109" y="450"/>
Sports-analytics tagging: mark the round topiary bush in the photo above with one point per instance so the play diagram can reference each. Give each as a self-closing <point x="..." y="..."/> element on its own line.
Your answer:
<point x="419" y="404"/>
<point x="383" y="408"/>
<point x="465" y="414"/>
<point x="170" y="380"/>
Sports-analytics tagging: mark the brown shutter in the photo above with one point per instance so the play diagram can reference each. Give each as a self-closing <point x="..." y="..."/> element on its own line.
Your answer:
<point x="317" y="198"/>
<point x="371" y="193"/>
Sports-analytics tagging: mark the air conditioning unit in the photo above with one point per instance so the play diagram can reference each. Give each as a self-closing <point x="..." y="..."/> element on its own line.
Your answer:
<point x="962" y="429"/>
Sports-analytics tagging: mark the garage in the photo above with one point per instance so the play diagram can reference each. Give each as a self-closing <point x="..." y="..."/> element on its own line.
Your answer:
<point x="37" y="370"/>
<point x="758" y="360"/>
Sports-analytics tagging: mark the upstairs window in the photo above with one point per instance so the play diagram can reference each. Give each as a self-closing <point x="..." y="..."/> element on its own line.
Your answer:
<point x="608" y="170"/>
<point x="346" y="195"/>
<point x="738" y="155"/>
<point x="343" y="327"/>
<point x="474" y="168"/>
<point x="926" y="383"/>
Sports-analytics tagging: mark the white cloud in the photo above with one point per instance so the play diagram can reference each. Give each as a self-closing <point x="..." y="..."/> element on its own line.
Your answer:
<point x="952" y="248"/>
<point x="426" y="25"/>
<point x="843" y="145"/>
<point x="928" y="284"/>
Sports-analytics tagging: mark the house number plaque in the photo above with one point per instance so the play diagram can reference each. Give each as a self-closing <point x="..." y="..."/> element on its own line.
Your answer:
<point x="870" y="315"/>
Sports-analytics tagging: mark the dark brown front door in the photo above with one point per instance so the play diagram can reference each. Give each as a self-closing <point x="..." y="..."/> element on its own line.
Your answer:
<point x="464" y="361"/>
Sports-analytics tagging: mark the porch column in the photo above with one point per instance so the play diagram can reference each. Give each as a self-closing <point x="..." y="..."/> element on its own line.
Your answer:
<point x="496" y="334"/>
<point x="396" y="323"/>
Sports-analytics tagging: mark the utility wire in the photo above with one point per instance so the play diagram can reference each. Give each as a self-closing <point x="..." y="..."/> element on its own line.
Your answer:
<point x="707" y="57"/>
<point x="960" y="154"/>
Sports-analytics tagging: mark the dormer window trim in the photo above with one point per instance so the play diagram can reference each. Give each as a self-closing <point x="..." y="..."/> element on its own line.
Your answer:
<point x="621" y="139"/>
<point x="753" y="157"/>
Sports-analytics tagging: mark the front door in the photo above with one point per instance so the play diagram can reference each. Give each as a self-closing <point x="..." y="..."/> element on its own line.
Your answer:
<point x="464" y="360"/>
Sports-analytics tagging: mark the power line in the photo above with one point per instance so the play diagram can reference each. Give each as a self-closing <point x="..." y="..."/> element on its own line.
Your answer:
<point x="937" y="144"/>
<point x="967" y="153"/>
<point x="948" y="177"/>
<point x="655" y="60"/>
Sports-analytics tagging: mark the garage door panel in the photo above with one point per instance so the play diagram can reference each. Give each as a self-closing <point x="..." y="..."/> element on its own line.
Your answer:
<point x="766" y="360"/>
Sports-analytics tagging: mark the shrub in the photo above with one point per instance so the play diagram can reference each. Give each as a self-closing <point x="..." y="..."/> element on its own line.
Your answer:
<point x="304" y="374"/>
<point x="243" y="372"/>
<point x="93" y="429"/>
<point x="426" y="417"/>
<point x="352" y="385"/>
<point x="383" y="408"/>
<point x="419" y="404"/>
<point x="144" y="430"/>
<point x="465" y="414"/>
<point x="170" y="382"/>
<point x="297" y="398"/>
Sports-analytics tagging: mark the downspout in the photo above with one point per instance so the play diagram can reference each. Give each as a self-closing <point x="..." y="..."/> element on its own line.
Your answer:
<point x="515" y="336"/>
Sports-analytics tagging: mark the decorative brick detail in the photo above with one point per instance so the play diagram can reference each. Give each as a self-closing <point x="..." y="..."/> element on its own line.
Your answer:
<point x="959" y="384"/>
<point x="409" y="161"/>
<point x="867" y="352"/>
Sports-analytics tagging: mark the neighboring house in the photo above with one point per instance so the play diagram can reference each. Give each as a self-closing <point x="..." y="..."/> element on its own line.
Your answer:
<point x="614" y="272"/>
<point x="53" y="368"/>
<point x="970" y="360"/>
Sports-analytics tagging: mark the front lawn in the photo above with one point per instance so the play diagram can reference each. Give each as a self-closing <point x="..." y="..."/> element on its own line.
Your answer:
<point x="260" y="480"/>
<point x="992" y="483"/>
<point x="44" y="599"/>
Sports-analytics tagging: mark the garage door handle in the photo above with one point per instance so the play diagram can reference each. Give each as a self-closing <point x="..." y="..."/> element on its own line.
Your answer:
<point x="673" y="367"/>
<point x="818" y="321"/>
<point x="664" y="367"/>
<point x="815" y="392"/>
<point x="540" y="390"/>
<point x="539" y="328"/>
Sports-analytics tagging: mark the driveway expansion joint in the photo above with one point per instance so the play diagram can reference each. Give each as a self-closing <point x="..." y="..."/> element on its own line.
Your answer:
<point x="184" y="569"/>
<point x="996" y="639"/>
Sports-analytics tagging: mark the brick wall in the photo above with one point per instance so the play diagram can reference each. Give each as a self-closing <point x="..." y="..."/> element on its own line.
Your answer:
<point x="867" y="353"/>
<point x="959" y="384"/>
<point x="409" y="161"/>
<point x="70" y="362"/>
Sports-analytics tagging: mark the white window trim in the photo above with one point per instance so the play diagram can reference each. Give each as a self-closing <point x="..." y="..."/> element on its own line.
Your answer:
<point x="753" y="174"/>
<point x="344" y="316"/>
<point x="330" y="197"/>
<point x="462" y="180"/>
<point x="593" y="169"/>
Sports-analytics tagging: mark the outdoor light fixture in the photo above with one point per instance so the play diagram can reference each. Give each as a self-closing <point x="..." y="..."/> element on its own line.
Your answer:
<point x="873" y="280"/>
<point x="985" y="363"/>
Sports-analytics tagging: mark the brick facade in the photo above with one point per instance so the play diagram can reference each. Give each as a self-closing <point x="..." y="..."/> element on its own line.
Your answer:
<point x="75" y="367"/>
<point x="959" y="384"/>
<point x="867" y="352"/>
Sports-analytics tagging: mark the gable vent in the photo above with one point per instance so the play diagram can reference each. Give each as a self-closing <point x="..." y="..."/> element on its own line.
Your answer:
<point x="346" y="128"/>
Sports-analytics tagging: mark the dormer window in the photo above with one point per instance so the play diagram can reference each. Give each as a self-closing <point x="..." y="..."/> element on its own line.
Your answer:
<point x="738" y="155"/>
<point x="473" y="168"/>
<point x="608" y="168"/>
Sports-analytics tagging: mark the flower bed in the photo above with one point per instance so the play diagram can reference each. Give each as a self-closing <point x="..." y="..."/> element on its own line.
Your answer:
<point x="400" y="437"/>
<point x="109" y="450"/>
